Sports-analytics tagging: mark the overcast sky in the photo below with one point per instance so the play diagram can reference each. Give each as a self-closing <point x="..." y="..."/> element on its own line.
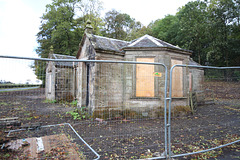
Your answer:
<point x="20" y="21"/>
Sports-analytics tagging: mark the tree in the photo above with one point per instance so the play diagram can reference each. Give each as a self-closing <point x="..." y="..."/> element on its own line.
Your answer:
<point x="166" y="29"/>
<point x="193" y="31"/>
<point x="62" y="27"/>
<point x="209" y="28"/>
<point x="90" y="10"/>
<point x="57" y="28"/>
<point x="138" y="32"/>
<point x="119" y="25"/>
<point x="223" y="15"/>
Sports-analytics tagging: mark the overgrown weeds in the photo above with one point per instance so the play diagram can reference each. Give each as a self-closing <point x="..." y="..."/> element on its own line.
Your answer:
<point x="49" y="101"/>
<point x="79" y="113"/>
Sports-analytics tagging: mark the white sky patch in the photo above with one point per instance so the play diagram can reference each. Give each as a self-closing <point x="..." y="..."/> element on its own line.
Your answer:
<point x="19" y="24"/>
<point x="17" y="71"/>
<point x="145" y="11"/>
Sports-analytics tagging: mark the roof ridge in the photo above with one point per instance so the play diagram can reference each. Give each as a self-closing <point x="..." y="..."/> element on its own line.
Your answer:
<point x="63" y="55"/>
<point x="137" y="40"/>
<point x="154" y="40"/>
<point x="112" y="38"/>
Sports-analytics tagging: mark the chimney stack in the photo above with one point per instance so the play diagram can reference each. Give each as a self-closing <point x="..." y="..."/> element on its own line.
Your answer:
<point x="89" y="27"/>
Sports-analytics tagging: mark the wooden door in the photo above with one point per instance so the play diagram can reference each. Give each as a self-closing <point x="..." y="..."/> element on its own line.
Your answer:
<point x="177" y="79"/>
<point x="144" y="78"/>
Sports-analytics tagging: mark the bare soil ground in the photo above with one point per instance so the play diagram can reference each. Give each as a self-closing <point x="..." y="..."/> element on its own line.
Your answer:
<point x="210" y="126"/>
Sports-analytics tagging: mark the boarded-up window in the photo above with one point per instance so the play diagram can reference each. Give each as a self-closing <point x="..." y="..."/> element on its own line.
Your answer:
<point x="177" y="79"/>
<point x="144" y="78"/>
<point x="190" y="82"/>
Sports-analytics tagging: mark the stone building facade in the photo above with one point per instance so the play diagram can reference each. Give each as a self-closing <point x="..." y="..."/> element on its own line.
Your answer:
<point x="118" y="86"/>
<point x="123" y="86"/>
<point x="60" y="79"/>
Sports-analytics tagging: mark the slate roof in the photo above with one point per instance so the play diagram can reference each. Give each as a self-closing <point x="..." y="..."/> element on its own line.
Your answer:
<point x="115" y="45"/>
<point x="147" y="41"/>
<point x="63" y="64"/>
<point x="109" y="44"/>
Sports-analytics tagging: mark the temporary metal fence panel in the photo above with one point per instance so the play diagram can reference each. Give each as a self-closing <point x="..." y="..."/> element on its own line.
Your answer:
<point x="124" y="124"/>
<point x="210" y="119"/>
<point x="122" y="109"/>
<point x="117" y="108"/>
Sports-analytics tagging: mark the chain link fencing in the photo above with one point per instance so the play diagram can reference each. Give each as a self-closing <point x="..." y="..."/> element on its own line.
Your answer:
<point x="117" y="108"/>
<point x="212" y="119"/>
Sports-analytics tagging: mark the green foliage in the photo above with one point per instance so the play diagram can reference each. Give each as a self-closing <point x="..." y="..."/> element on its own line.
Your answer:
<point x="137" y="32"/>
<point x="79" y="114"/>
<point x="74" y="103"/>
<point x="90" y="10"/>
<point x="121" y="26"/>
<point x="57" y="28"/>
<point x="209" y="28"/>
<point x="236" y="75"/>
<point x="3" y="103"/>
<point x="6" y="155"/>
<point x="193" y="29"/>
<point x="50" y="101"/>
<point x="166" y="29"/>
<point x="62" y="28"/>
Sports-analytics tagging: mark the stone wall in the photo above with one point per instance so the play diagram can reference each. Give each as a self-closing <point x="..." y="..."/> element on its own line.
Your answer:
<point x="112" y="86"/>
<point x="109" y="83"/>
<point x="150" y="104"/>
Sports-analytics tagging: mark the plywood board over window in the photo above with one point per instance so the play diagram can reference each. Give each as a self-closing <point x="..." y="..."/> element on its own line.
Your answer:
<point x="144" y="78"/>
<point x="177" y="79"/>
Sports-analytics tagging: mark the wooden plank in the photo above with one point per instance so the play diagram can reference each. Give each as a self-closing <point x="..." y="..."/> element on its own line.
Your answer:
<point x="10" y="123"/>
<point x="177" y="79"/>
<point x="9" y="119"/>
<point x="31" y="149"/>
<point x="145" y="78"/>
<point x="190" y="82"/>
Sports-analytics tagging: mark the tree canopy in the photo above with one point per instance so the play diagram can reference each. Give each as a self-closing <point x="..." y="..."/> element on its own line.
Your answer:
<point x="62" y="28"/>
<point x="120" y="25"/>
<point x="209" y="28"/>
<point x="63" y="25"/>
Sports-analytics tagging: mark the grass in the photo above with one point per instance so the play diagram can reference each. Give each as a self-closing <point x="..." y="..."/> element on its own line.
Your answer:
<point x="79" y="114"/>
<point x="15" y="89"/>
<point x="49" y="101"/>
<point x="3" y="103"/>
<point x="17" y="85"/>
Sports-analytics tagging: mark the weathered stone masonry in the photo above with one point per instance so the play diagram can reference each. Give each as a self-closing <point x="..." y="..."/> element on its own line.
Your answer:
<point x="116" y="86"/>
